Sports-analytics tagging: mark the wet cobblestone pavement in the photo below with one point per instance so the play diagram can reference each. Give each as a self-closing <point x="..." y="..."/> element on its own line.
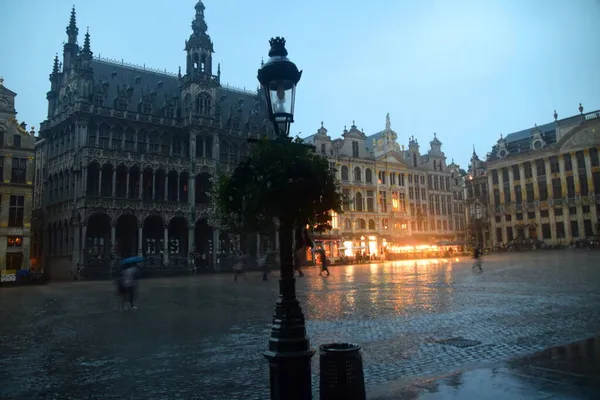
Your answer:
<point x="202" y="337"/>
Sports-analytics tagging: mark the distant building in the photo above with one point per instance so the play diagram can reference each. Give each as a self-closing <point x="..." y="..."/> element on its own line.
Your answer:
<point x="544" y="181"/>
<point x="16" y="187"/>
<point x="477" y="203"/>
<point x="392" y="196"/>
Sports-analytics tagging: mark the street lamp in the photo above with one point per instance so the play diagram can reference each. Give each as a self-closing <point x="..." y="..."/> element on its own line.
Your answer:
<point x="289" y="350"/>
<point x="279" y="77"/>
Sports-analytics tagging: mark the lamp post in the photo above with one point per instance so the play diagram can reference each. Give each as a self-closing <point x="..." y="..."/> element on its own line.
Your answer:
<point x="289" y="350"/>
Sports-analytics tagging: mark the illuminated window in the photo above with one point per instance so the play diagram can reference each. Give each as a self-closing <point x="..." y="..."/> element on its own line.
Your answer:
<point x="334" y="220"/>
<point x="395" y="201"/>
<point x="14" y="241"/>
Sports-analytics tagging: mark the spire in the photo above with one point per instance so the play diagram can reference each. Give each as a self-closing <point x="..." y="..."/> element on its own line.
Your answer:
<point x="72" y="29"/>
<point x="474" y="152"/>
<point x="86" y="44"/>
<point x="388" y="123"/>
<point x="55" y="68"/>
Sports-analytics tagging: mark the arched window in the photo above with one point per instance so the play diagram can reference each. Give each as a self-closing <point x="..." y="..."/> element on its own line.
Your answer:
<point x="358" y="202"/>
<point x="344" y="173"/>
<point x="323" y="148"/>
<point x="368" y="175"/>
<point x="203" y="104"/>
<point x="347" y="224"/>
<point x="362" y="224"/>
<point x="357" y="174"/>
<point x="371" y="225"/>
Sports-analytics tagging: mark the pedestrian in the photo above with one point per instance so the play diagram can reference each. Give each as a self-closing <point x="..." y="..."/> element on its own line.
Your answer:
<point x="238" y="267"/>
<point x="127" y="285"/>
<point x="323" y="262"/>
<point x="477" y="254"/>
<point x="262" y="263"/>
<point x="299" y="260"/>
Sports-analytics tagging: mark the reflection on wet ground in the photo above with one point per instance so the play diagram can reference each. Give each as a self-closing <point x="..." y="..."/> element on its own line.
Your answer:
<point x="560" y="373"/>
<point x="203" y="337"/>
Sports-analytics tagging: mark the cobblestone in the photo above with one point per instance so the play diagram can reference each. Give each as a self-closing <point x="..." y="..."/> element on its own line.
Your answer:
<point x="203" y="337"/>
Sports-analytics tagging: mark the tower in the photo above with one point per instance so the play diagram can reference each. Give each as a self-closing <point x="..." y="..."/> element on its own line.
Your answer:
<point x="199" y="48"/>
<point x="52" y="95"/>
<point x="70" y="49"/>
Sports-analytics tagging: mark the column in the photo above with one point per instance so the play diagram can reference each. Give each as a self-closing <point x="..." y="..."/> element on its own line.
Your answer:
<point x="257" y="244"/>
<point x="127" y="185"/>
<point x="215" y="253"/>
<point x="277" y="239"/>
<point x="192" y="190"/>
<point x="113" y="235"/>
<point x="564" y="194"/>
<point x="167" y="186"/>
<point x="536" y="196"/>
<point x="83" y="243"/>
<point x="192" y="145"/>
<point x="83" y="182"/>
<point x="140" y="238"/>
<point x="215" y="147"/>
<point x="141" y="184"/>
<point x="190" y="245"/>
<point x="100" y="182"/>
<point x="178" y="183"/>
<point x="203" y="147"/>
<point x="550" y="190"/>
<point x="114" y="182"/>
<point x="153" y="185"/>
<point x="76" y="250"/>
<point x="166" y="246"/>
<point x="492" y="208"/>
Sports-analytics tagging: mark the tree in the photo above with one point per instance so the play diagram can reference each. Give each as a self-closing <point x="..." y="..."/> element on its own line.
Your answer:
<point x="281" y="180"/>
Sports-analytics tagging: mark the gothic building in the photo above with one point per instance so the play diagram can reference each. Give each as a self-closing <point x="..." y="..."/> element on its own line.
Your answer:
<point x="477" y="203"/>
<point x="392" y="195"/>
<point x="544" y="181"/>
<point x="129" y="153"/>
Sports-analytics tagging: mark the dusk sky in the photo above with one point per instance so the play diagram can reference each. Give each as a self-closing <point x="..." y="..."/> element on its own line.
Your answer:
<point x="467" y="70"/>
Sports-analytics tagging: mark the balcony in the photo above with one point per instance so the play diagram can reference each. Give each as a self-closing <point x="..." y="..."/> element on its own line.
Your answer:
<point x="135" y="204"/>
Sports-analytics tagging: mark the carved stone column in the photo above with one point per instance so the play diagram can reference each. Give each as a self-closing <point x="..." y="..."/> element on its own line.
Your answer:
<point x="127" y="185"/>
<point x="113" y="235"/>
<point x="83" y="242"/>
<point x="114" y="183"/>
<point x="215" y="254"/>
<point x="178" y="184"/>
<point x="83" y="181"/>
<point x="76" y="249"/>
<point x="140" y="239"/>
<point x="190" y="244"/>
<point x="166" y="246"/>
<point x="191" y="190"/>
<point x="153" y="185"/>
<point x="167" y="187"/>
<point x="100" y="182"/>
<point x="215" y="148"/>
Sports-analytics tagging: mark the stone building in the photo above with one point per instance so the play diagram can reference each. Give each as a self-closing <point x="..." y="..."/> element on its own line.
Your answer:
<point x="392" y="195"/>
<point x="129" y="154"/>
<point x="544" y="182"/>
<point x="477" y="203"/>
<point x="16" y="186"/>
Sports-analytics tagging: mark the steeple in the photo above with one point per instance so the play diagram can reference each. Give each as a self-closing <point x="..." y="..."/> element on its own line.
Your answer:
<point x="199" y="48"/>
<point x="388" y="123"/>
<point x="55" y="68"/>
<point x="86" y="45"/>
<point x="72" y="29"/>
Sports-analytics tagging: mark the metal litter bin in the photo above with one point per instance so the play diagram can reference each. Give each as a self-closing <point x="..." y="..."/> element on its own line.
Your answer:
<point x="341" y="376"/>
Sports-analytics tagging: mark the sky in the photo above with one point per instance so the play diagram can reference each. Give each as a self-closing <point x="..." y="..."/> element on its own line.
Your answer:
<point x="468" y="70"/>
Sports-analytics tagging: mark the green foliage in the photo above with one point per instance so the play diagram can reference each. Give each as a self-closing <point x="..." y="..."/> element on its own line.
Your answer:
<point x="282" y="179"/>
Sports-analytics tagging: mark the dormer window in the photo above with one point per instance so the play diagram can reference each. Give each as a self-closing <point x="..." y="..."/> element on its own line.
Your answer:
<point x="169" y="112"/>
<point x="121" y="103"/>
<point x="146" y="108"/>
<point x="355" y="152"/>
<point x="323" y="151"/>
<point x="98" y="100"/>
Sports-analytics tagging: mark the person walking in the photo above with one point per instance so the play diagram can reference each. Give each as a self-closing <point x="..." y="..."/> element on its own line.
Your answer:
<point x="477" y="254"/>
<point x="238" y="267"/>
<point x="324" y="268"/>
<point x="127" y="285"/>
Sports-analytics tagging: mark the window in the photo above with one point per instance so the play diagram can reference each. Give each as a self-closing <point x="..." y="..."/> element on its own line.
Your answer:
<point x="574" y="229"/>
<point x="558" y="212"/>
<point x="587" y="228"/>
<point x="568" y="163"/>
<point x="540" y="167"/>
<point x="556" y="188"/>
<point x="560" y="230"/>
<point x="203" y="105"/>
<point x="344" y="173"/>
<point x="544" y="213"/>
<point x="546" y="233"/>
<point x="583" y="185"/>
<point x="580" y="160"/>
<point x="543" y="188"/>
<point x="357" y="174"/>
<point x="121" y="103"/>
<point x="495" y="177"/>
<point x="19" y="170"/>
<point x="509" y="233"/>
<point x="169" y="112"/>
<point x="395" y="201"/>
<point x="499" y="235"/>
<point x="1" y="139"/>
<point x="507" y="196"/>
<point x="323" y="151"/>
<point x="142" y="144"/>
<point x="594" y="157"/>
<point x="368" y="176"/>
<point x="14" y="242"/>
<point x="370" y="201"/>
<point x="570" y="187"/>
<point x="596" y="178"/>
<point x="16" y="211"/>
<point x="528" y="171"/>
<point x="554" y="167"/>
<point x="146" y="108"/>
<point x="516" y="172"/>
<point x="358" y="202"/>
<point x="117" y="139"/>
<point x="14" y="261"/>
<point x="529" y="190"/>
<point x="497" y="197"/>
<point x="177" y="147"/>
<point x="505" y="175"/>
<point x="129" y="140"/>
<point x="518" y="195"/>
<point x="346" y="199"/>
<point x="334" y="220"/>
<point x="354" y="149"/>
<point x="1" y="169"/>
<point x="104" y="136"/>
<point x="17" y="140"/>
<point x="382" y="201"/>
<point x="155" y="144"/>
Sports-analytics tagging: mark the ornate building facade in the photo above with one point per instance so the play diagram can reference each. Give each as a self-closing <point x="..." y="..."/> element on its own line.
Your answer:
<point x="392" y="195"/>
<point x="16" y="188"/>
<point x="129" y="153"/>
<point x="544" y="182"/>
<point x="477" y="203"/>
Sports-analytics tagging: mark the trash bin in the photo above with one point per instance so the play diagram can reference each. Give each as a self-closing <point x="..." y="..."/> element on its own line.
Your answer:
<point x="342" y="374"/>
